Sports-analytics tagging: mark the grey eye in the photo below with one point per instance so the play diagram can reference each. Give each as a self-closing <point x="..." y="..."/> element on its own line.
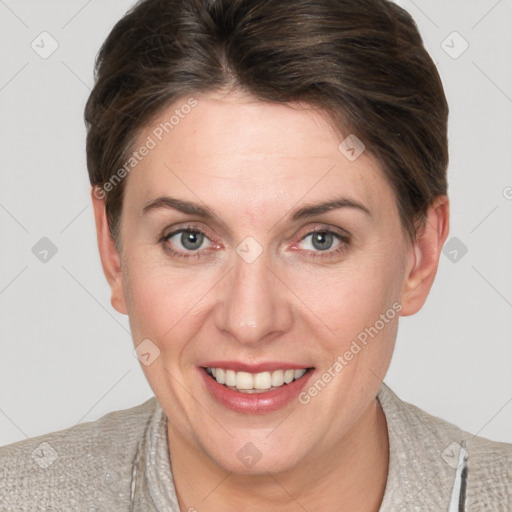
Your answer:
<point x="189" y="239"/>
<point x="321" y="240"/>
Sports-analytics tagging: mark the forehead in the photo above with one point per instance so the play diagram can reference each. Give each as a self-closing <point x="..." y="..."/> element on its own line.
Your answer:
<point x="234" y="147"/>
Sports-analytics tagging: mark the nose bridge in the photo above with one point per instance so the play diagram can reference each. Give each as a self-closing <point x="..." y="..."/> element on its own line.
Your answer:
<point x="252" y="306"/>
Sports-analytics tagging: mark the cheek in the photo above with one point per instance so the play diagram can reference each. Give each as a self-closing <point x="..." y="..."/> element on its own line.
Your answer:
<point x="350" y="300"/>
<point x="161" y="301"/>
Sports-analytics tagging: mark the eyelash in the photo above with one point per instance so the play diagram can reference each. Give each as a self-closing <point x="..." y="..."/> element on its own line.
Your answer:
<point x="328" y="254"/>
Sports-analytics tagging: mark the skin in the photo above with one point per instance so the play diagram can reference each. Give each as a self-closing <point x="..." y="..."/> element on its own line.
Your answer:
<point x="254" y="163"/>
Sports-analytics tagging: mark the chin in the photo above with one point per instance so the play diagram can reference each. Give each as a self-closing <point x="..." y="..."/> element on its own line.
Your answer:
<point x="257" y="454"/>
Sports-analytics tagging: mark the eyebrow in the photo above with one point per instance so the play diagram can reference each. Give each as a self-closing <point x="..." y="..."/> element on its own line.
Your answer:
<point x="309" y="210"/>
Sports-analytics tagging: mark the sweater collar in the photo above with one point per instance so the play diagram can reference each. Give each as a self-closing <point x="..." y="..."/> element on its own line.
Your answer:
<point x="417" y="473"/>
<point x="422" y="472"/>
<point x="152" y="484"/>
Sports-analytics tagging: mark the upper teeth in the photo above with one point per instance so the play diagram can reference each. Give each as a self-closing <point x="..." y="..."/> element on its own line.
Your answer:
<point x="263" y="380"/>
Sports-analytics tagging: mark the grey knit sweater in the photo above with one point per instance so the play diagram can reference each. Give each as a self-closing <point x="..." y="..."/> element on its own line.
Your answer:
<point x="121" y="463"/>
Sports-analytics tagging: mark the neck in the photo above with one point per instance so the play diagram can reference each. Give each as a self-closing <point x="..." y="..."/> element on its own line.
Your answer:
<point x="348" y="477"/>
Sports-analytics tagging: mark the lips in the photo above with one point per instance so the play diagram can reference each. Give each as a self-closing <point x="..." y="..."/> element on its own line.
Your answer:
<point x="254" y="402"/>
<point x="264" y="366"/>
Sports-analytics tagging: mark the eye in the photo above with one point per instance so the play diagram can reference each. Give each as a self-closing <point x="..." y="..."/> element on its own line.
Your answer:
<point x="190" y="239"/>
<point x="322" y="240"/>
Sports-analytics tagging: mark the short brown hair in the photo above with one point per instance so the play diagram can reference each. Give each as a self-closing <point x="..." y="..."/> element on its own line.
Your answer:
<point x="363" y="63"/>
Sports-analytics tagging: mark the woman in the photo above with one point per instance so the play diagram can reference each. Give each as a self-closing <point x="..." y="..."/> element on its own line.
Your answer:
<point x="269" y="187"/>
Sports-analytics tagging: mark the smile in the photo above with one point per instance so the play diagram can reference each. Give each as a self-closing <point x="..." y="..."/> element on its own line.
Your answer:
<point x="254" y="393"/>
<point x="246" y="382"/>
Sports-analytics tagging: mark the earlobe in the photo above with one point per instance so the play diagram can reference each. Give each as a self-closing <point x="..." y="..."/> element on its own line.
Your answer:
<point x="424" y="258"/>
<point x="110" y="258"/>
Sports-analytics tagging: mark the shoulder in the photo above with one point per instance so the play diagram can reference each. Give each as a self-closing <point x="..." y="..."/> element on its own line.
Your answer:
<point x="437" y="443"/>
<point x="85" y="467"/>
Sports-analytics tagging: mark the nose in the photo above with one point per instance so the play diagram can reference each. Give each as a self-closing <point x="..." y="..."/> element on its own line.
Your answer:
<point x="254" y="306"/>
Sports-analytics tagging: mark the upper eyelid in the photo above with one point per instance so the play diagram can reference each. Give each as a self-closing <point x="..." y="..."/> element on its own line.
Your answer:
<point x="185" y="228"/>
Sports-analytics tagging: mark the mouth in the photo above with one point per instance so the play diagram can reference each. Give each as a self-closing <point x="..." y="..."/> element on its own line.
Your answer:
<point x="261" y="382"/>
<point x="254" y="392"/>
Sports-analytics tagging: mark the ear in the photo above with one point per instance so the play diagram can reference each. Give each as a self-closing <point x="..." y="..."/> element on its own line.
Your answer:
<point x="110" y="258"/>
<point x="424" y="256"/>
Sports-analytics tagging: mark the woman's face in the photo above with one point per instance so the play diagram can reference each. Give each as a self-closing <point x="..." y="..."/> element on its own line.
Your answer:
<point x="253" y="284"/>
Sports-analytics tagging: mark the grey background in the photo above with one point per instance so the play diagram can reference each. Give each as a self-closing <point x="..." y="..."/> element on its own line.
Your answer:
<point x="67" y="355"/>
